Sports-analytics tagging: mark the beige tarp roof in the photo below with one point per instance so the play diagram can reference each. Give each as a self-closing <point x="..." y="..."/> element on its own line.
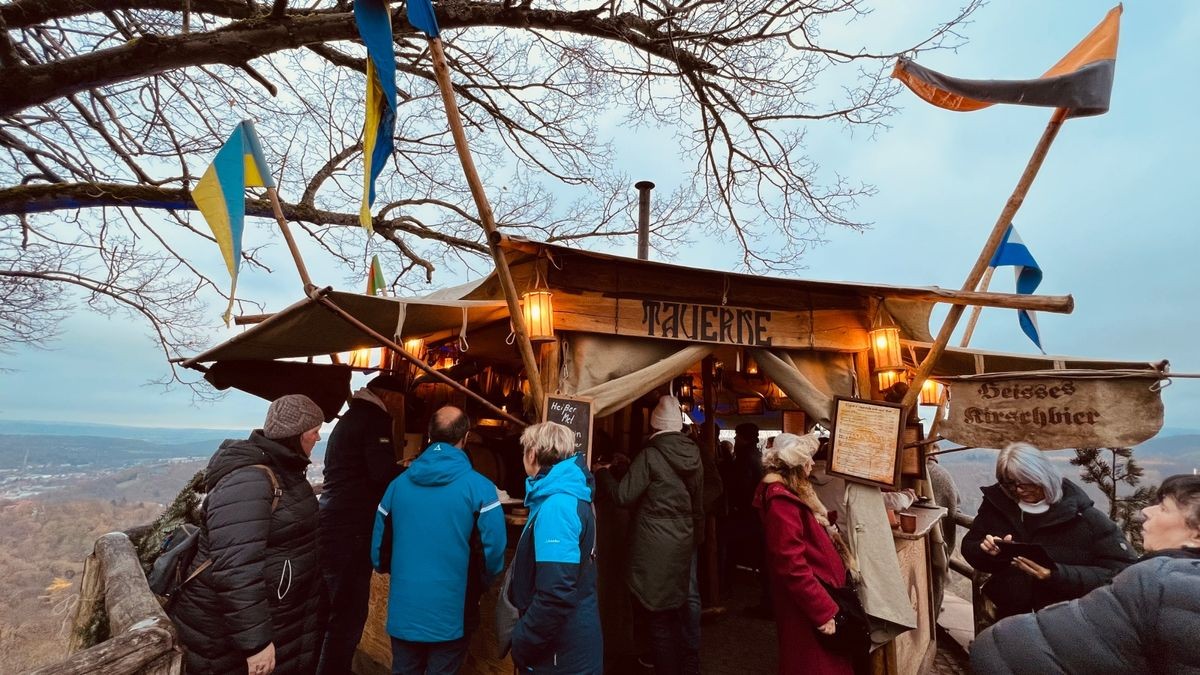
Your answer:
<point x="308" y="329"/>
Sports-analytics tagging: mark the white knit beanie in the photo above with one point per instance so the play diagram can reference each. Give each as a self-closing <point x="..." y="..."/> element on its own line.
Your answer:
<point x="667" y="415"/>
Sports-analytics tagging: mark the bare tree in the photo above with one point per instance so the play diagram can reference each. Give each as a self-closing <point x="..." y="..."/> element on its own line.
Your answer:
<point x="112" y="108"/>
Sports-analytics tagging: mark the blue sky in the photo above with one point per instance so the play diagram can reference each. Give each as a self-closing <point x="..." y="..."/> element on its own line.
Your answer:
<point x="1110" y="218"/>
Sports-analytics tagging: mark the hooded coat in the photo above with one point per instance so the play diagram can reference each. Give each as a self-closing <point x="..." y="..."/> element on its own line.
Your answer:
<point x="435" y="506"/>
<point x="800" y="555"/>
<point x="664" y="486"/>
<point x="554" y="577"/>
<point x="1146" y="621"/>
<point x="1088" y="548"/>
<point x="264" y="584"/>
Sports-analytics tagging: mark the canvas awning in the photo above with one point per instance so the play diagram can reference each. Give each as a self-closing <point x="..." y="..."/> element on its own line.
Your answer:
<point x="308" y="329"/>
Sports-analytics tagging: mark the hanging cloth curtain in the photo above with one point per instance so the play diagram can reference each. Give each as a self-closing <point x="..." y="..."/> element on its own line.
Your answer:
<point x="810" y="379"/>
<point x="615" y="371"/>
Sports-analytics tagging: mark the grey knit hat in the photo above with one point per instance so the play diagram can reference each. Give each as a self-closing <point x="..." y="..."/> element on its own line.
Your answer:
<point x="292" y="415"/>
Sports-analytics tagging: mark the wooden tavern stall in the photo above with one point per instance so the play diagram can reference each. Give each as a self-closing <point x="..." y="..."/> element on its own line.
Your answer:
<point x="614" y="333"/>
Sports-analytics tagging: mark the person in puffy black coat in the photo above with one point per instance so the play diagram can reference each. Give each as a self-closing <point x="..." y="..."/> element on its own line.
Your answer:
<point x="1031" y="503"/>
<point x="255" y="608"/>
<point x="360" y="463"/>
<point x="1147" y="621"/>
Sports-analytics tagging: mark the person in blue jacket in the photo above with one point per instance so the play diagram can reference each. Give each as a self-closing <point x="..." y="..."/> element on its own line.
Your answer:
<point x="432" y="513"/>
<point x="553" y="582"/>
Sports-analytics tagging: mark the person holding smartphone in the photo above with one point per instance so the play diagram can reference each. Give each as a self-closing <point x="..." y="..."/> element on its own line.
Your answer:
<point x="1033" y="504"/>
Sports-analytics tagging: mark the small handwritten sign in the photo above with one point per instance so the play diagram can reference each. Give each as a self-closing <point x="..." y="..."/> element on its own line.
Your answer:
<point x="865" y="445"/>
<point x="575" y="414"/>
<point x="1053" y="413"/>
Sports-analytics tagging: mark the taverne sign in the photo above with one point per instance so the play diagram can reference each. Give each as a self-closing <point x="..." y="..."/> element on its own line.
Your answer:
<point x="707" y="323"/>
<point x="821" y="329"/>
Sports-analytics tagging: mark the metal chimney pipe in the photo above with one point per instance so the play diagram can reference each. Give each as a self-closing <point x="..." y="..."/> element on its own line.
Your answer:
<point x="644" y="187"/>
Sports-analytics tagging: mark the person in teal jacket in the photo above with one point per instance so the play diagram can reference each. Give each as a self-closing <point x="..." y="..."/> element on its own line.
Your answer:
<point x="553" y="583"/>
<point x="441" y="517"/>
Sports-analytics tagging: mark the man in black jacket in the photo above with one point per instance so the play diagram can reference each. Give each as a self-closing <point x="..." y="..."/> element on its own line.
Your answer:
<point x="360" y="462"/>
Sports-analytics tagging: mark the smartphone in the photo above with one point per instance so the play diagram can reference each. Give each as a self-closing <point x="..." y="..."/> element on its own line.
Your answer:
<point x="1033" y="552"/>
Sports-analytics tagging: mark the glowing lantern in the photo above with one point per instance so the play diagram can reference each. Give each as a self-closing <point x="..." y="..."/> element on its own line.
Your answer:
<point x="885" y="347"/>
<point x="537" y="308"/>
<point x="887" y="378"/>
<point x="931" y="392"/>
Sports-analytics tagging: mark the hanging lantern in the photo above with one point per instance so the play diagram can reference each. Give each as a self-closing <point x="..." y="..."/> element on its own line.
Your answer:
<point x="887" y="378"/>
<point x="415" y="347"/>
<point x="537" y="308"/>
<point x="885" y="347"/>
<point x="685" y="387"/>
<point x="363" y="358"/>
<point x="931" y="392"/>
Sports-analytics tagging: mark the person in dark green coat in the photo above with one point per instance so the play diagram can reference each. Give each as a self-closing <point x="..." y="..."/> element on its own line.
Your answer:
<point x="664" y="487"/>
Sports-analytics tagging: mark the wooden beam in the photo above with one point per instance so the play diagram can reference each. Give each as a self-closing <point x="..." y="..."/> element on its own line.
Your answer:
<point x="827" y="329"/>
<point x="1003" y="222"/>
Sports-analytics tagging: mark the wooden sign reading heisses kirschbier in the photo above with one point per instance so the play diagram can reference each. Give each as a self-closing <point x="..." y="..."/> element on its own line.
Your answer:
<point x="1053" y="412"/>
<point x="706" y="323"/>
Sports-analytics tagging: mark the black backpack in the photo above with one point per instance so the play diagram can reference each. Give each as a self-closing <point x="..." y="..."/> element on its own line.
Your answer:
<point x="178" y="550"/>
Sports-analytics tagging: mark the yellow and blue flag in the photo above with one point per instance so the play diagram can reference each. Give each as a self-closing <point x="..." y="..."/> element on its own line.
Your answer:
<point x="221" y="194"/>
<point x="375" y="28"/>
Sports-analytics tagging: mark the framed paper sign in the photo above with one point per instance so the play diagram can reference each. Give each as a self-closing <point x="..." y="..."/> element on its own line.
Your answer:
<point x="866" y="440"/>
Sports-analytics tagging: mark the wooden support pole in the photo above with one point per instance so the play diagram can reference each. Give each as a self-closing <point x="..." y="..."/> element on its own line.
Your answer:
<point x="273" y="195"/>
<point x="711" y="580"/>
<point x="977" y="309"/>
<point x="319" y="297"/>
<point x="524" y="346"/>
<point x="985" y="256"/>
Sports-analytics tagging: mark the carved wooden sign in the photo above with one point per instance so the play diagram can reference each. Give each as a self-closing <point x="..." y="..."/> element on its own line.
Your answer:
<point x="1053" y="413"/>
<point x="825" y="329"/>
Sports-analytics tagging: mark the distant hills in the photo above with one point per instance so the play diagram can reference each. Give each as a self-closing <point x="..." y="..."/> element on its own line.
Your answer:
<point x="25" y="444"/>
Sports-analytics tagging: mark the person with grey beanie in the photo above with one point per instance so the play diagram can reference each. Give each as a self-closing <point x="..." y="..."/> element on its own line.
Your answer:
<point x="254" y="605"/>
<point x="664" y="486"/>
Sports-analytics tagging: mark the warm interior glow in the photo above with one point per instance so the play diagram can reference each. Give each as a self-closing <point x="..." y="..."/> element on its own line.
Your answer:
<point x="363" y="358"/>
<point x="538" y="310"/>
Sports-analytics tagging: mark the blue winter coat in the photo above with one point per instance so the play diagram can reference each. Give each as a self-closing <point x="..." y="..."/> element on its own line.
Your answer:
<point x="554" y="577"/>
<point x="434" y="507"/>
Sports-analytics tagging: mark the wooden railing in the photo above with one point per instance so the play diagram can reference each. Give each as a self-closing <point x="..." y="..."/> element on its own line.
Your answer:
<point x="114" y="595"/>
<point x="979" y="616"/>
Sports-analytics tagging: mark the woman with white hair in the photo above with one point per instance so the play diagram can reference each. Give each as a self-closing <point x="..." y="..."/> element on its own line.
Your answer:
<point x="1032" y="503"/>
<point x="553" y="583"/>
<point x="805" y="555"/>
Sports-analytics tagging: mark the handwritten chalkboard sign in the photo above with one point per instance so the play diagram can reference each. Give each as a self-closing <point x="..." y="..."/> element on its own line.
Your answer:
<point x="576" y="415"/>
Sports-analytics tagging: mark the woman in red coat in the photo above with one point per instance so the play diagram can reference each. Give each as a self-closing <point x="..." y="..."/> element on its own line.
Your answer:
<point x="800" y="550"/>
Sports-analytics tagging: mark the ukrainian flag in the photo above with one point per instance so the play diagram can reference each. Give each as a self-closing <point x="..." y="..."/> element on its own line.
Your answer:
<point x="221" y="194"/>
<point x="375" y="27"/>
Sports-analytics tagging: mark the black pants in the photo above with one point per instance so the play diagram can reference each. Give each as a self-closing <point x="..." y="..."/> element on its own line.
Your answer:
<point x="346" y="565"/>
<point x="668" y="638"/>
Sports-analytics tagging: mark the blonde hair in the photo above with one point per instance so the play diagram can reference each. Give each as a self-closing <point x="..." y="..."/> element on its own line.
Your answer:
<point x="550" y="442"/>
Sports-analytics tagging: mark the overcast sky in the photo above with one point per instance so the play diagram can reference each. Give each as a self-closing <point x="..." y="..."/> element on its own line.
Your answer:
<point x="1111" y="218"/>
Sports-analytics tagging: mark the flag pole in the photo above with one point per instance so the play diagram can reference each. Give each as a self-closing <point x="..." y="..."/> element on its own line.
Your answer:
<point x="524" y="346"/>
<point x="985" y="256"/>
<point x="976" y="309"/>
<point x="273" y="195"/>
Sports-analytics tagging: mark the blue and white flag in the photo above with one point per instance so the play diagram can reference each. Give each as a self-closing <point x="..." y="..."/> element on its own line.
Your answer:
<point x="1013" y="252"/>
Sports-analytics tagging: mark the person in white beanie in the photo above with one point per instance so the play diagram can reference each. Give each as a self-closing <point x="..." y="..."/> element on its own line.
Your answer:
<point x="664" y="486"/>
